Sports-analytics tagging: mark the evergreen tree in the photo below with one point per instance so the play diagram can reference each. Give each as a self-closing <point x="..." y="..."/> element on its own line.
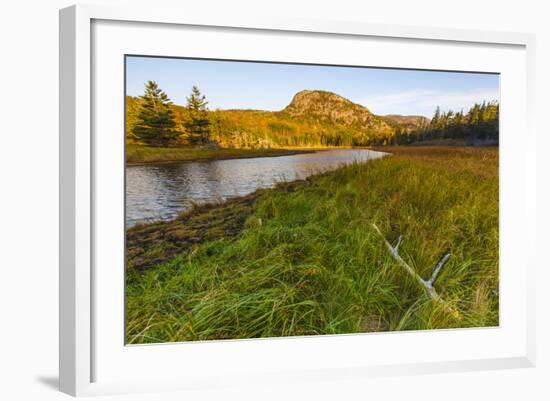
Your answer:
<point x="480" y="123"/>
<point x="456" y="125"/>
<point x="198" y="125"/>
<point x="436" y="120"/>
<point x="155" y="121"/>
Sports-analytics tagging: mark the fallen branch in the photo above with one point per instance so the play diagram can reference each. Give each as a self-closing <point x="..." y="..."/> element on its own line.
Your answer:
<point x="440" y="264"/>
<point x="427" y="285"/>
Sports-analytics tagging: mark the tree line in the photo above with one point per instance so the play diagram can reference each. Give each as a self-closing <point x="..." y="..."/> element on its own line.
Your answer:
<point x="479" y="125"/>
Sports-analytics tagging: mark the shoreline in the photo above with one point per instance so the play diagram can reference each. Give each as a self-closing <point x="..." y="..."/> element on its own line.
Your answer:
<point x="285" y="186"/>
<point x="221" y="156"/>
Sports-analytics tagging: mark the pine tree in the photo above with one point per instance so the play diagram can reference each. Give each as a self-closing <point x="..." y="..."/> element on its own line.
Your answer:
<point x="480" y="123"/>
<point x="435" y="124"/>
<point x="155" y="122"/>
<point x="198" y="125"/>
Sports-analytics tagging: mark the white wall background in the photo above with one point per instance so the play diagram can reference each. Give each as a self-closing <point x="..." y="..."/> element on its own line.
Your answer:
<point x="29" y="187"/>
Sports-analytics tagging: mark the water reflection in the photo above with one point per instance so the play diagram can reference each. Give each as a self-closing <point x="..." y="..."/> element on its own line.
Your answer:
<point x="162" y="191"/>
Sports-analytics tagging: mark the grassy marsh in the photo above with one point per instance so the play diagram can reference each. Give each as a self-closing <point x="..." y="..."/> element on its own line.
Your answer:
<point x="303" y="259"/>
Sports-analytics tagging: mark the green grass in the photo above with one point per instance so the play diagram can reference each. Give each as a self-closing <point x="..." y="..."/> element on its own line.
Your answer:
<point x="304" y="258"/>
<point x="138" y="154"/>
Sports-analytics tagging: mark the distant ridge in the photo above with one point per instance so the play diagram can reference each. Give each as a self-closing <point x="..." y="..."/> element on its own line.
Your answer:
<point x="406" y="122"/>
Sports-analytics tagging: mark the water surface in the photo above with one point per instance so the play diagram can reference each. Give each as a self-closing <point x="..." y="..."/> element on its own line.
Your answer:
<point x="162" y="191"/>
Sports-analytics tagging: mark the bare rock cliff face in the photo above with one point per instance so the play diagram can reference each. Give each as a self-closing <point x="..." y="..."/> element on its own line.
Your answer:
<point x="328" y="107"/>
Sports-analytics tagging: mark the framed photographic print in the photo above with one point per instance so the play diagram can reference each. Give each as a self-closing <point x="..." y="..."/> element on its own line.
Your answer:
<point x="274" y="200"/>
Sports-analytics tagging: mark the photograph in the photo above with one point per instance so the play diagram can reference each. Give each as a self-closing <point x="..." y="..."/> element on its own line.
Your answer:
<point x="271" y="199"/>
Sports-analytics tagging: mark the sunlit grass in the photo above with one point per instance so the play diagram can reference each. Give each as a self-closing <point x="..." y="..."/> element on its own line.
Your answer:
<point x="307" y="260"/>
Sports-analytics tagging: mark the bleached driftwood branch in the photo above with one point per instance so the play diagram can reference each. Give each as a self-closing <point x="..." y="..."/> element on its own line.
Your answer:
<point x="440" y="264"/>
<point x="426" y="284"/>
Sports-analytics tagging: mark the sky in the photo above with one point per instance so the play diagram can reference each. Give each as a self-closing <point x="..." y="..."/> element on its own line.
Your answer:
<point x="271" y="86"/>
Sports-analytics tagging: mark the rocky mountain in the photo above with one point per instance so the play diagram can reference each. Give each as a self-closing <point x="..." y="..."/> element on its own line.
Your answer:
<point x="327" y="107"/>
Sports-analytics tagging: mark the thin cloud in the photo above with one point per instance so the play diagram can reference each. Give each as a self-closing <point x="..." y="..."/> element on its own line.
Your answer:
<point x="424" y="102"/>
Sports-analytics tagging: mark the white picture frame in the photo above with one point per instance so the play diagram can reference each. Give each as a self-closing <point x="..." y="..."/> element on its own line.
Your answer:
<point x="84" y="327"/>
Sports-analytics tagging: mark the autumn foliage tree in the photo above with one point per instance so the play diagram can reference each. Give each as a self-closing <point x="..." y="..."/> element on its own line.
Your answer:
<point x="155" y="119"/>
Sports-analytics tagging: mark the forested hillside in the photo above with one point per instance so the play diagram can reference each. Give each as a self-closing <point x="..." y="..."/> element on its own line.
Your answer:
<point x="312" y="119"/>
